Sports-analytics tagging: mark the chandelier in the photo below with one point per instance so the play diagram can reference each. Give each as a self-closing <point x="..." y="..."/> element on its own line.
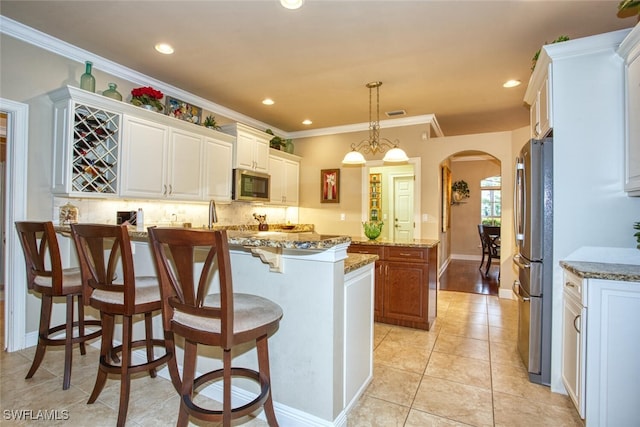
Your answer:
<point x="374" y="144"/>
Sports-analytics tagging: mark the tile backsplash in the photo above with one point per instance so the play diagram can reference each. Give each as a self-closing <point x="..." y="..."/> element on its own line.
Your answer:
<point x="175" y="213"/>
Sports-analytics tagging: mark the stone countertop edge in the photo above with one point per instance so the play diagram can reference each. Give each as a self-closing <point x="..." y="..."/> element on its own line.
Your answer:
<point x="286" y="240"/>
<point x="414" y="243"/>
<point x="355" y="261"/>
<point x="601" y="270"/>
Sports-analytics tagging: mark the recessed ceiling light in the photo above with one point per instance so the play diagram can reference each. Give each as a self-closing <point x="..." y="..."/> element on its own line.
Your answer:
<point x="164" y="48"/>
<point x="291" y="4"/>
<point x="306" y="122"/>
<point x="511" y="83"/>
<point x="268" y="101"/>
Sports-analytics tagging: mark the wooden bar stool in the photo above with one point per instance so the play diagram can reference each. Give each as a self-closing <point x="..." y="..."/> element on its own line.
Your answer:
<point x="46" y="276"/>
<point x="221" y="319"/>
<point x="124" y="296"/>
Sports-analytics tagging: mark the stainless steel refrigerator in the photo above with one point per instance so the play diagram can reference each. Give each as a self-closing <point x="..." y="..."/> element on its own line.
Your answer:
<point x="533" y="223"/>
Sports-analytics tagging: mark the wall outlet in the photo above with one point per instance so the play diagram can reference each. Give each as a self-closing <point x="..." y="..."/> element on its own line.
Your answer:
<point x="343" y="217"/>
<point x="425" y="217"/>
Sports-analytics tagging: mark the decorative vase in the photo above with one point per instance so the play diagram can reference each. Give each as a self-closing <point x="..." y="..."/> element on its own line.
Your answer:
<point x="112" y="92"/>
<point x="87" y="81"/>
<point x="68" y="214"/>
<point x="289" y="147"/>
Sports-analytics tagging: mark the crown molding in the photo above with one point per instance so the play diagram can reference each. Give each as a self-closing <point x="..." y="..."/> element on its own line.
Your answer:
<point x="45" y="41"/>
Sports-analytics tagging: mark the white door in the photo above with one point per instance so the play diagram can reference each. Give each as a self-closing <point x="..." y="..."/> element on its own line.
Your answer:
<point x="403" y="207"/>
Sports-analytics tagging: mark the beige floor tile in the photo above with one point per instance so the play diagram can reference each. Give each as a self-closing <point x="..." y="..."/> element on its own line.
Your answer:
<point x="467" y="297"/>
<point x="461" y="346"/>
<point x="413" y="337"/>
<point x="514" y="380"/>
<point x="405" y="357"/>
<point x="422" y="419"/>
<point x="455" y="401"/>
<point x="393" y="385"/>
<point x="503" y="320"/>
<point x="465" y="329"/>
<point x="469" y="317"/>
<point x="506" y="353"/>
<point x="460" y="369"/>
<point x="372" y="412"/>
<point x="467" y="306"/>
<point x="380" y="331"/>
<point x="504" y="335"/>
<point x="517" y="411"/>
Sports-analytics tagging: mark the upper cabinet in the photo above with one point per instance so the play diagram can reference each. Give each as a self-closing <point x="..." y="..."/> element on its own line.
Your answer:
<point x="217" y="178"/>
<point x="630" y="51"/>
<point x="285" y="181"/>
<point x="538" y="96"/>
<point x="108" y="148"/>
<point x="251" y="149"/>
<point x="86" y="144"/>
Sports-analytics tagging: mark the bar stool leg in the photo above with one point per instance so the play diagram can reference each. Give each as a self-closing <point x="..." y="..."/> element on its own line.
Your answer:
<point x="43" y="333"/>
<point x="105" y="353"/>
<point x="188" y="375"/>
<point x="83" y="349"/>
<point x="68" y="344"/>
<point x="148" y="332"/>
<point x="125" y="376"/>
<point x="263" y="367"/>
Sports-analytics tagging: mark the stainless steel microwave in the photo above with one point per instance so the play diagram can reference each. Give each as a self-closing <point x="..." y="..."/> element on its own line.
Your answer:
<point x="250" y="186"/>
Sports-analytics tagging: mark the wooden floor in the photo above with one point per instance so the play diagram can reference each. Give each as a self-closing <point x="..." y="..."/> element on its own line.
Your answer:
<point x="465" y="276"/>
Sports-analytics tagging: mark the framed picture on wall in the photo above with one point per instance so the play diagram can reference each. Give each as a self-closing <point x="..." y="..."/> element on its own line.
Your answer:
<point x="330" y="186"/>
<point x="446" y="198"/>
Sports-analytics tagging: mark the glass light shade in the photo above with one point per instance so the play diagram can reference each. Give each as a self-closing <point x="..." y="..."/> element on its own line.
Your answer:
<point x="291" y="4"/>
<point x="354" y="158"/>
<point x="395" y="155"/>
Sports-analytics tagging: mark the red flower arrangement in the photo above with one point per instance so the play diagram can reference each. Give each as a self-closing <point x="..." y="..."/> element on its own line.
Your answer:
<point x="147" y="96"/>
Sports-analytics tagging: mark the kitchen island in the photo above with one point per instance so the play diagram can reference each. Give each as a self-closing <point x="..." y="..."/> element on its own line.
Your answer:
<point x="406" y="288"/>
<point x="322" y="354"/>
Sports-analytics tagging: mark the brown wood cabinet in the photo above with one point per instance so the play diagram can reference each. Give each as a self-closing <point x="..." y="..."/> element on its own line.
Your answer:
<point x="405" y="284"/>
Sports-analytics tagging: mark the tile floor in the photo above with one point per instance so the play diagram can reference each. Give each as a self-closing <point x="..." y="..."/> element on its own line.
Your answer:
<point x="465" y="372"/>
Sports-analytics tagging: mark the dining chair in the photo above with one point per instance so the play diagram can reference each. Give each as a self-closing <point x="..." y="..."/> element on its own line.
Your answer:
<point x="491" y="236"/>
<point x="46" y="276"/>
<point x="485" y="248"/>
<point x="101" y="250"/>
<point x="204" y="312"/>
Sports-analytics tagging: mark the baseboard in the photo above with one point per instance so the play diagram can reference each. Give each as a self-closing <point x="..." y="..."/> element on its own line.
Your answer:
<point x="506" y="293"/>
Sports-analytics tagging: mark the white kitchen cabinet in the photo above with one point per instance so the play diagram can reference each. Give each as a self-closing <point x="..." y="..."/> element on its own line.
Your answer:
<point x="251" y="150"/>
<point x="160" y="162"/>
<point x="607" y="378"/>
<point x="285" y="178"/>
<point x="218" y="155"/>
<point x="539" y="97"/>
<point x="630" y="51"/>
<point x="86" y="143"/>
<point x="573" y="341"/>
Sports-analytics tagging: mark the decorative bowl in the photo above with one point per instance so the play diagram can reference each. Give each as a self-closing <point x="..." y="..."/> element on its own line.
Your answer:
<point x="372" y="229"/>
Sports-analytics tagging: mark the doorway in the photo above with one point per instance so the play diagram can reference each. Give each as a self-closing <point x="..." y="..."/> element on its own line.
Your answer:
<point x="15" y="208"/>
<point x="400" y="195"/>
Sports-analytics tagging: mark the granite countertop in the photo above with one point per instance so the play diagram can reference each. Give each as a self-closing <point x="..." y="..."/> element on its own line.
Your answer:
<point x="413" y="243"/>
<point x="602" y="270"/>
<point x="287" y="239"/>
<point x="355" y="261"/>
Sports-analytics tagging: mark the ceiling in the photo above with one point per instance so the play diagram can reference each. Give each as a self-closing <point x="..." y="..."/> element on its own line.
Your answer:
<point x="448" y="58"/>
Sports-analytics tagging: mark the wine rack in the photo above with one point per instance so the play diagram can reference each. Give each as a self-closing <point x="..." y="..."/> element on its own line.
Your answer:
<point x="375" y="197"/>
<point x="94" y="156"/>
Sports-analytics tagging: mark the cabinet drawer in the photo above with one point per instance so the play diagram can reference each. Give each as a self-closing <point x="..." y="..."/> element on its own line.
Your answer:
<point x="366" y="249"/>
<point x="401" y="253"/>
<point x="573" y="286"/>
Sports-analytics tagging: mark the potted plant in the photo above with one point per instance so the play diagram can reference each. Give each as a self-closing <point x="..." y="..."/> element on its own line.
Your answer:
<point x="147" y="97"/>
<point x="534" y="60"/>
<point x="210" y="122"/>
<point x="460" y="190"/>
<point x="276" y="142"/>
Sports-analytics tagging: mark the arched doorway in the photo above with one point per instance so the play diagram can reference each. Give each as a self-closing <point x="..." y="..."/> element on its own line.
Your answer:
<point x="470" y="169"/>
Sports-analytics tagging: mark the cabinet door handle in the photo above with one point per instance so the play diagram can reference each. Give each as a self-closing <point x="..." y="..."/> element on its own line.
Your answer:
<point x="575" y="319"/>
<point x="170" y="189"/>
<point x="404" y="253"/>
<point x="569" y="284"/>
<point x="165" y="189"/>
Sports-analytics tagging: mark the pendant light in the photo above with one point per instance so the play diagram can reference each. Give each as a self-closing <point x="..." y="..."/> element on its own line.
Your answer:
<point x="374" y="143"/>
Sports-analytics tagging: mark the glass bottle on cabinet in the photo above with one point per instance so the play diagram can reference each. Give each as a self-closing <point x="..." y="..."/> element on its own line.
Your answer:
<point x="375" y="196"/>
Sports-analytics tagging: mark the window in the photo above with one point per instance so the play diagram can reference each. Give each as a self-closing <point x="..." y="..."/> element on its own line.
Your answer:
<point x="490" y="200"/>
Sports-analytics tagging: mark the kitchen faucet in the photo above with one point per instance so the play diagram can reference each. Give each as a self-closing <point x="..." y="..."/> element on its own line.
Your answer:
<point x="213" y="216"/>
